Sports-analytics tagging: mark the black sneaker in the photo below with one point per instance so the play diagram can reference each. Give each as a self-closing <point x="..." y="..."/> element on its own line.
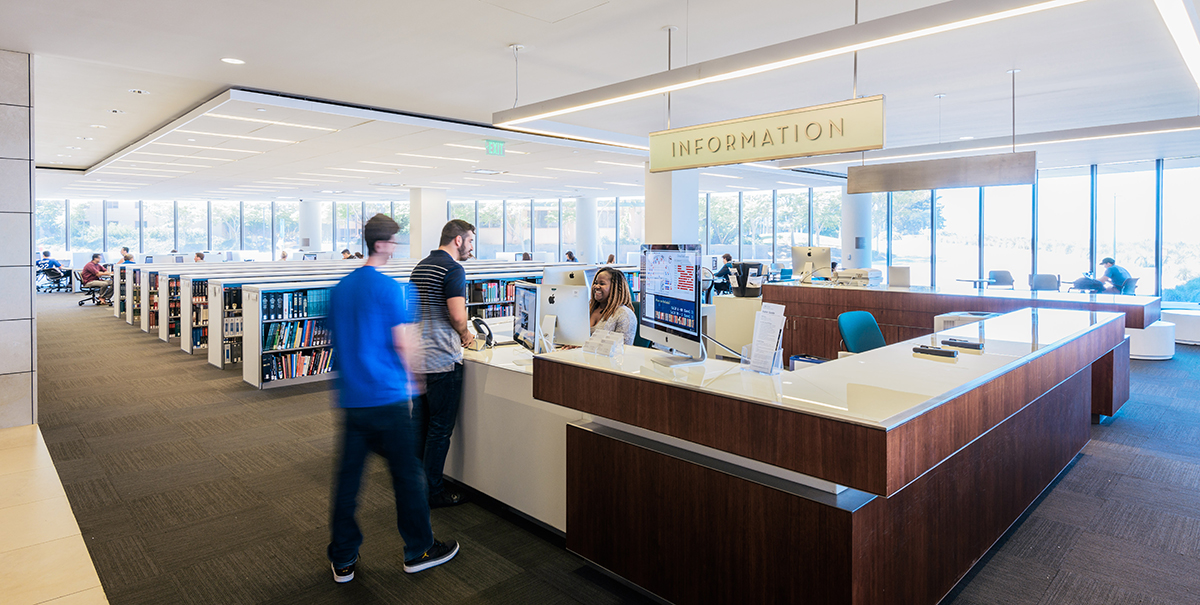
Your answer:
<point x="447" y="498"/>
<point x="437" y="554"/>
<point x="341" y="575"/>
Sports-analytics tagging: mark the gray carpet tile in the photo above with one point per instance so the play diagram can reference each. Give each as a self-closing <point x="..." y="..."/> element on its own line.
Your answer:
<point x="192" y="487"/>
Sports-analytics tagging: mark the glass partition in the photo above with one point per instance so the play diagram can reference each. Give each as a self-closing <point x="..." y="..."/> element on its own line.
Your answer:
<point x="879" y="244"/>
<point x="757" y="226"/>
<point x="193" y="226"/>
<point x="1008" y="231"/>
<point x="606" y="225"/>
<point x="87" y="226"/>
<point x="1064" y="222"/>
<point x="257" y="225"/>
<point x="633" y="229"/>
<point x="723" y="224"/>
<point x="1125" y="229"/>
<point x="517" y="232"/>
<point x="50" y="226"/>
<point x="545" y="227"/>
<point x="226" y="225"/>
<point x="489" y="241"/>
<point x="791" y="222"/>
<point x="827" y="219"/>
<point x="569" y="241"/>
<point x="287" y="227"/>
<point x="122" y="228"/>
<point x="158" y="227"/>
<point x="911" y="242"/>
<point x="401" y="216"/>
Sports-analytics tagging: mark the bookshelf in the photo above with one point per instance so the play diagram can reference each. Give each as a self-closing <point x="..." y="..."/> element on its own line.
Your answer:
<point x="149" y="302"/>
<point x="193" y="314"/>
<point x="133" y="297"/>
<point x="119" y="278"/>
<point x="286" y="341"/>
<point x="168" y="305"/>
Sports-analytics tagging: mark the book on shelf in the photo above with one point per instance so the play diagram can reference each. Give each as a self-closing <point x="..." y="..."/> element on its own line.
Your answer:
<point x="294" y="335"/>
<point x="282" y="366"/>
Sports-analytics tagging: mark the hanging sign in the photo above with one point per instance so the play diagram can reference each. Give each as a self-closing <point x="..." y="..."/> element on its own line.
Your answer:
<point x="854" y="125"/>
<point x="948" y="173"/>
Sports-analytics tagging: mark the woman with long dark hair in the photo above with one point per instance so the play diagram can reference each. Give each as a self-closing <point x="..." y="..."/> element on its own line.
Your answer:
<point x="612" y="306"/>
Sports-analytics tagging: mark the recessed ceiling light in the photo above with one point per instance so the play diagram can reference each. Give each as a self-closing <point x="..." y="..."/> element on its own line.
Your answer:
<point x="620" y="164"/>
<point x="262" y="121"/>
<point x="138" y="91"/>
<point x="151" y="169"/>
<point x="940" y="95"/>
<point x="473" y="178"/>
<point x="437" y="157"/>
<point x="99" y="126"/>
<point x="64" y="155"/>
<point x="334" y="176"/>
<point x="362" y="170"/>
<point x="176" y="155"/>
<point x="286" y="178"/>
<point x="532" y="176"/>
<point x="192" y="140"/>
<point x="84" y="138"/>
<point x="232" y="61"/>
<point x="236" y="136"/>
<point x="551" y="190"/>
<point x="165" y="163"/>
<point x="55" y="162"/>
<point x="573" y="170"/>
<point x="457" y="184"/>
<point x="393" y="164"/>
<point x="260" y="109"/>
<point x="203" y="147"/>
<point x="74" y="147"/>
<point x="740" y="187"/>
<point x="582" y="187"/>
<point x="965" y="138"/>
<point x="485" y="171"/>
<point x="387" y="184"/>
<point x="790" y="183"/>
<point x="724" y="176"/>
<point x="330" y="191"/>
<point x="115" y="111"/>
<point x="622" y="184"/>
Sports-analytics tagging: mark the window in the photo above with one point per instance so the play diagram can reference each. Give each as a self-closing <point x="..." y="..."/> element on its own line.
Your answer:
<point x="400" y="215"/>
<point x="791" y="222"/>
<point x="193" y="226"/>
<point x="545" y="227"/>
<point x="606" y="226"/>
<point x="1064" y="222"/>
<point x="957" y="236"/>
<point x="911" y="243"/>
<point x="757" y="225"/>
<point x="489" y="240"/>
<point x="723" y="224"/>
<point x="225" y="224"/>
<point x="568" y="229"/>
<point x="122" y="229"/>
<point x="257" y="216"/>
<point x="633" y="229"/>
<point x="463" y="210"/>
<point x="287" y="227"/>
<point x="1125" y="229"/>
<point x="158" y="227"/>
<point x="348" y="229"/>
<point x="1181" y="241"/>
<point x="1008" y="231"/>
<point x="879" y="226"/>
<point x="87" y="226"/>
<point x="516" y="226"/>
<point x="51" y="225"/>
<point x="703" y="223"/>
<point x="827" y="219"/>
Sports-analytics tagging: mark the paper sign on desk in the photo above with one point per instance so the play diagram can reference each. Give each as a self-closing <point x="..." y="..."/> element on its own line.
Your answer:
<point x="768" y="334"/>
<point x="772" y="309"/>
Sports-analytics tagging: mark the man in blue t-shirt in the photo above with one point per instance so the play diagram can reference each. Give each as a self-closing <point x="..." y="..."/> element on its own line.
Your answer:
<point x="372" y="321"/>
<point x="45" y="262"/>
<point x="442" y="284"/>
<point x="1114" y="275"/>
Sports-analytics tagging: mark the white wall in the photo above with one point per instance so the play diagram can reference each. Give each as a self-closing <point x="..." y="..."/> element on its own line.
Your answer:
<point x="18" y="330"/>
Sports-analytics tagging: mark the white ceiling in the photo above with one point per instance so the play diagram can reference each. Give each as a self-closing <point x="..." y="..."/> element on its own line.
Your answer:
<point x="1091" y="65"/>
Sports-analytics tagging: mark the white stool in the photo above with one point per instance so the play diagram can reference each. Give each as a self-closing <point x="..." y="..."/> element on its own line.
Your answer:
<point x="1187" y="324"/>
<point x="1154" y="342"/>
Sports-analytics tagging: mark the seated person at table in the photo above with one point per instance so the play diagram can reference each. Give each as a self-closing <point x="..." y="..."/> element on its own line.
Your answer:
<point x="1114" y="276"/>
<point x="571" y="257"/>
<point x="93" y="275"/>
<point x="128" y="259"/>
<point x="346" y="254"/>
<point x="199" y="258"/>
<point x="612" y="307"/>
<point x="721" y="277"/>
<point x="48" y="263"/>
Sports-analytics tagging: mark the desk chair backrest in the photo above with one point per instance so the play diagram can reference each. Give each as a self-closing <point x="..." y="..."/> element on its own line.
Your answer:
<point x="1129" y="286"/>
<point x="859" y="331"/>
<point x="638" y="341"/>
<point x="1043" y="281"/>
<point x="1000" y="278"/>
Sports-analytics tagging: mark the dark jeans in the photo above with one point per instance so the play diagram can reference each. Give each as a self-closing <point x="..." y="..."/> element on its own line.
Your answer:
<point x="388" y="431"/>
<point x="438" y="411"/>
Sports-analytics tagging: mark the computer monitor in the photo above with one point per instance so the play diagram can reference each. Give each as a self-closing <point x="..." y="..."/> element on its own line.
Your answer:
<point x="566" y="275"/>
<point x="179" y="259"/>
<point x="527" y="327"/>
<point x="310" y="256"/>
<point x="534" y="304"/>
<point x="670" y="300"/>
<point x="811" y="261"/>
<point x="149" y="259"/>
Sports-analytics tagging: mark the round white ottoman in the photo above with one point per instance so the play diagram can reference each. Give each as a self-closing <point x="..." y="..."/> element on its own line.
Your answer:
<point x="1154" y="342"/>
<point x="1187" y="324"/>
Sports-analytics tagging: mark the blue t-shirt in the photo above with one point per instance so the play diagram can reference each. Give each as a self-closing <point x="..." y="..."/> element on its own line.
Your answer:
<point x="364" y="307"/>
<point x="46" y="263"/>
<point x="1118" y="276"/>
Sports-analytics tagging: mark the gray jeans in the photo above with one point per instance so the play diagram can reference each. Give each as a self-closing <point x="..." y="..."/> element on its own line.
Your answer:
<point x="107" y="286"/>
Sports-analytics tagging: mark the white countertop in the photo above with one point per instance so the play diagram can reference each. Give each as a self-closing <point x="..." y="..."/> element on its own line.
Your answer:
<point x="1050" y="295"/>
<point x="882" y="388"/>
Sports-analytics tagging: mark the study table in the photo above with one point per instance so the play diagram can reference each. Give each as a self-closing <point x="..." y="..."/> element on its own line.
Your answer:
<point x="879" y="478"/>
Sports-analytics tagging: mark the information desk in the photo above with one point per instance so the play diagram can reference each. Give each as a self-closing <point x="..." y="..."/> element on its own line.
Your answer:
<point x="904" y="313"/>
<point x="938" y="457"/>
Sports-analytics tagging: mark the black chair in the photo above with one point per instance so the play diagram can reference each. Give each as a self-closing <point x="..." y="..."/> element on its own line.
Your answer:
<point x="53" y="279"/>
<point x="638" y="341"/>
<point x="92" y="292"/>
<point x="1000" y="278"/>
<point x="1044" y="281"/>
<point x="1129" y="286"/>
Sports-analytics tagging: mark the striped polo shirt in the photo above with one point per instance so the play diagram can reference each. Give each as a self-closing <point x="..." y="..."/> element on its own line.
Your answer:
<point x="438" y="278"/>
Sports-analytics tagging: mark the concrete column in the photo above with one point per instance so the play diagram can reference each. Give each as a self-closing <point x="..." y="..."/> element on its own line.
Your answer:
<point x="427" y="216"/>
<point x="586" y="231"/>
<point x="672" y="209"/>
<point x="856" y="230"/>
<point x="310" y="225"/>
<point x="18" y="329"/>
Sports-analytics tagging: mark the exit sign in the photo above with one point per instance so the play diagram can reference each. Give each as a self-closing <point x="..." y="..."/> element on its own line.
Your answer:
<point x="494" y="147"/>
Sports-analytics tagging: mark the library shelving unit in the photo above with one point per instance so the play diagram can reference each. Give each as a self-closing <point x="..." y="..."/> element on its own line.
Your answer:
<point x="286" y="341"/>
<point x="168" y="305"/>
<point x="119" y="277"/>
<point x="133" y="296"/>
<point x="193" y="313"/>
<point x="149" y="288"/>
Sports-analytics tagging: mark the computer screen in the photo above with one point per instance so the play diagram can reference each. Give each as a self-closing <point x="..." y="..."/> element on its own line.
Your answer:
<point x="525" y="315"/>
<point x="310" y="256"/>
<point x="811" y="261"/>
<point x="565" y="276"/>
<point x="179" y="259"/>
<point x="149" y="259"/>
<point x="570" y="307"/>
<point x="670" y="297"/>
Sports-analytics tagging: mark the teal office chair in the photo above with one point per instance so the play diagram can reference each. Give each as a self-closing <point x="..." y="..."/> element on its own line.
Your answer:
<point x="638" y="341"/>
<point x="859" y="331"/>
<point x="1129" y="286"/>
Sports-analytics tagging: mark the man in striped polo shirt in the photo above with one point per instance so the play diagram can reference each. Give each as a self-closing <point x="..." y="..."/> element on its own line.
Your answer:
<point x="442" y="284"/>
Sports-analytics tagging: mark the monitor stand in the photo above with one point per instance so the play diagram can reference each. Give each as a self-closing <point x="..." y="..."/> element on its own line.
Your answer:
<point x="677" y="361"/>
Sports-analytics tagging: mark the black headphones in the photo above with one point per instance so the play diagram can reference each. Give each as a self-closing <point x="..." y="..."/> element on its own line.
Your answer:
<point x="484" y="330"/>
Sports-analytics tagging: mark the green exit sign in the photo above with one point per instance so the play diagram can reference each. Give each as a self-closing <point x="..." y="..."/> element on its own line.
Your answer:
<point x="494" y="147"/>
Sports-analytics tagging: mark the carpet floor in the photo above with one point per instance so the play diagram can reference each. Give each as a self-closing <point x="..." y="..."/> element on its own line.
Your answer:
<point x="192" y="487"/>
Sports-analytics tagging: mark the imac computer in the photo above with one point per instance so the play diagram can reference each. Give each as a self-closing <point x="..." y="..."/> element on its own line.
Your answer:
<point x="310" y="256"/>
<point x="545" y="315"/>
<point x="670" y="301"/>
<point x="566" y="275"/>
<point x="809" y="262"/>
